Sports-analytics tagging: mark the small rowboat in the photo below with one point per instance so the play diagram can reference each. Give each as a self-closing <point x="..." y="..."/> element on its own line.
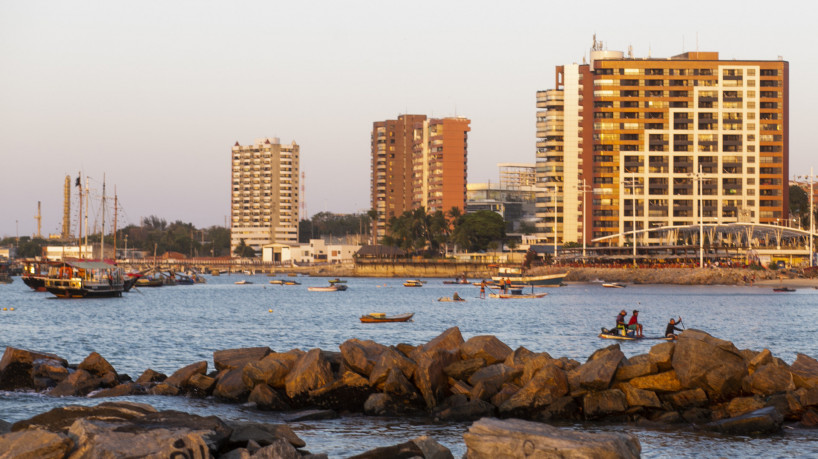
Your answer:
<point x="613" y="285"/>
<point x="783" y="289"/>
<point x="277" y="282"/>
<point x="413" y="283"/>
<point x="381" y="317"/>
<point x="331" y="288"/>
<point x="242" y="282"/>
<point x="338" y="281"/>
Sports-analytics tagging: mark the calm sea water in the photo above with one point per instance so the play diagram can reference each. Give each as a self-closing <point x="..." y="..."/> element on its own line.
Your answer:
<point x="170" y="327"/>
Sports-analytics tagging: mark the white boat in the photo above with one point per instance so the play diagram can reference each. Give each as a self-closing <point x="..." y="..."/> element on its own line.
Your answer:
<point x="331" y="288"/>
<point x="242" y="282"/>
<point x="613" y="285"/>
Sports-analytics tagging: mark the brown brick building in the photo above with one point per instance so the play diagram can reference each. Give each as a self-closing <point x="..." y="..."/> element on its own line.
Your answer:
<point x="417" y="162"/>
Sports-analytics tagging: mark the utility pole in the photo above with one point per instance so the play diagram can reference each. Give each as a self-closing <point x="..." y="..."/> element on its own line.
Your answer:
<point x="584" y="189"/>
<point x="556" y="222"/>
<point x="811" y="216"/>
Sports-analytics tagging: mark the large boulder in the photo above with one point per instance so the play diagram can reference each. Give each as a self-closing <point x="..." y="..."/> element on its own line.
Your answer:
<point x="598" y="371"/>
<point x="98" y="439"/>
<point x="77" y="383"/>
<point x="492" y="438"/>
<point x="464" y="369"/>
<point x="639" y="397"/>
<point x="519" y="357"/>
<point x="361" y="356"/>
<point x="486" y="347"/>
<point x="547" y="385"/>
<point x="181" y="376"/>
<point x="604" y="403"/>
<point x="16" y="367"/>
<point x="230" y="386"/>
<point x="47" y="373"/>
<point x="150" y="377"/>
<point x="60" y="419"/>
<point x="762" y="421"/>
<point x="35" y="443"/>
<point x="662" y="382"/>
<point x="347" y="393"/>
<point x="743" y="405"/>
<point x="497" y="374"/>
<point x="804" y="371"/>
<point x="661" y="355"/>
<point x="634" y="367"/>
<point x="397" y="385"/>
<point x="236" y="359"/>
<point x="267" y="399"/>
<point x="771" y="378"/>
<point x="310" y="372"/>
<point x="712" y="364"/>
<point x="449" y="340"/>
<point x="687" y="398"/>
<point x="533" y="364"/>
<point x="97" y="366"/>
<point x="429" y="376"/>
<point x="458" y="409"/>
<point x="390" y="359"/>
<point x="272" y="370"/>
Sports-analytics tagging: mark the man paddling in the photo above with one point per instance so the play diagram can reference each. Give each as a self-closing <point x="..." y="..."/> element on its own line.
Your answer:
<point x="671" y="328"/>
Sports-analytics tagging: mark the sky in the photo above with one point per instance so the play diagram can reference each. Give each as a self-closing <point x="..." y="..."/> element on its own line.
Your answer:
<point x="152" y="95"/>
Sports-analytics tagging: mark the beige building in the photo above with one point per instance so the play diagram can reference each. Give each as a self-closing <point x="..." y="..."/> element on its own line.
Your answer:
<point x="648" y="143"/>
<point x="265" y="193"/>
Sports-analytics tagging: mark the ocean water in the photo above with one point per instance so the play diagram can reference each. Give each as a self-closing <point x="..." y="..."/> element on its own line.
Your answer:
<point x="170" y="327"/>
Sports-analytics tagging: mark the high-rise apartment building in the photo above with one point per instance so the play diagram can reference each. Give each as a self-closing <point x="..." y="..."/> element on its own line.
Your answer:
<point x="651" y="143"/>
<point x="264" y="193"/>
<point x="417" y="162"/>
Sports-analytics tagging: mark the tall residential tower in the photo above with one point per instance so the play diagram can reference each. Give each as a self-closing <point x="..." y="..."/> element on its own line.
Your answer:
<point x="264" y="193"/>
<point x="650" y="143"/>
<point x="417" y="162"/>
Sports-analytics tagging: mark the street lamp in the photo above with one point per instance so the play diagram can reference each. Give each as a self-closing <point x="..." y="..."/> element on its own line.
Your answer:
<point x="632" y="185"/>
<point x="698" y="194"/>
<point x="811" y="176"/>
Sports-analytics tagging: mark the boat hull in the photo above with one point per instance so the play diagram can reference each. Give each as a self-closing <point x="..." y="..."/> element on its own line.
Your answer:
<point x="516" y="296"/>
<point x="399" y="318"/>
<point x="547" y="280"/>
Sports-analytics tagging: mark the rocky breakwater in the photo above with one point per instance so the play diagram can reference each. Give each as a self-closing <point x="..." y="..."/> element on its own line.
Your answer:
<point x="698" y="381"/>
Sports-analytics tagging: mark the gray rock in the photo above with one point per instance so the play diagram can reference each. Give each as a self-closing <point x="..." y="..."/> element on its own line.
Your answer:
<point x="429" y="376"/>
<point x="431" y="448"/>
<point x="493" y="438"/>
<point x="267" y="399"/>
<point x="407" y="450"/>
<point x="310" y="372"/>
<point x="598" y="371"/>
<point x="181" y="376"/>
<point x="236" y="359"/>
<point x="230" y="386"/>
<point x="712" y="364"/>
<point x="16" y="367"/>
<point x="311" y="415"/>
<point x="361" y="355"/>
<point x="763" y="421"/>
<point x="603" y="403"/>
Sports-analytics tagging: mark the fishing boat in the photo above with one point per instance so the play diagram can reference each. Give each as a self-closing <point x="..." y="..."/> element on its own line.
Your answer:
<point x="338" y="281"/>
<point x="35" y="272"/>
<point x="149" y="281"/>
<point x="515" y="276"/>
<point x="413" y="283"/>
<point x="613" y="285"/>
<point x="85" y="278"/>
<point x="382" y="317"/>
<point x="277" y="282"/>
<point x="289" y="282"/>
<point x="783" y="289"/>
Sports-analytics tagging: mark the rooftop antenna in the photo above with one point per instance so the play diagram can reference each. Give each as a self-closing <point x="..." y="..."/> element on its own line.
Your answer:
<point x="630" y="51"/>
<point x="648" y="50"/>
<point x="39" y="219"/>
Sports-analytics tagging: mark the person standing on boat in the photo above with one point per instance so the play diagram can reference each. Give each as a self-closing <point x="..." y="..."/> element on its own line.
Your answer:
<point x="634" y="324"/>
<point x="483" y="289"/>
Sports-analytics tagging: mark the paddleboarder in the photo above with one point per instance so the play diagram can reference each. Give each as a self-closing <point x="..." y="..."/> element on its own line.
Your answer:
<point x="671" y="328"/>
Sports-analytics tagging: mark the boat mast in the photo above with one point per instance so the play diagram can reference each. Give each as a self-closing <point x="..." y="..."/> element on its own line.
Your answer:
<point x="87" y="192"/>
<point x="102" y="237"/>
<point x="79" y="221"/>
<point x="115" y="214"/>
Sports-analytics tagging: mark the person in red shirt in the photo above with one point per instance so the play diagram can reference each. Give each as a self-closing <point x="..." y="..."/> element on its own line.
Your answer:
<point x="634" y="324"/>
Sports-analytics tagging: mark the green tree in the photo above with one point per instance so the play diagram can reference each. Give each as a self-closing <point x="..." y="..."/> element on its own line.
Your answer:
<point x="476" y="230"/>
<point x="799" y="205"/>
<point x="243" y="250"/>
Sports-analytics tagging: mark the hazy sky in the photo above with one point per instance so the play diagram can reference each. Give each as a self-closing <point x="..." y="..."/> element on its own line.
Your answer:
<point x="153" y="94"/>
